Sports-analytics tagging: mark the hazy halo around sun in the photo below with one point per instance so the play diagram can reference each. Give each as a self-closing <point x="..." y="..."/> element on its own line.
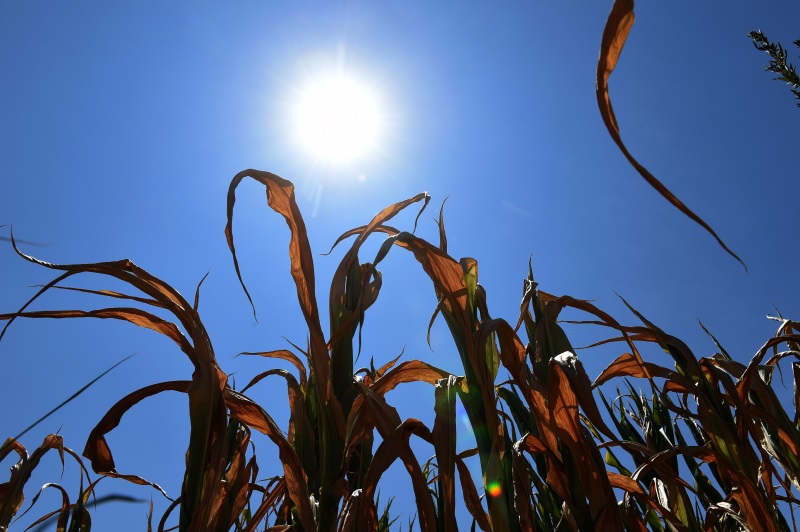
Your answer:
<point x="338" y="119"/>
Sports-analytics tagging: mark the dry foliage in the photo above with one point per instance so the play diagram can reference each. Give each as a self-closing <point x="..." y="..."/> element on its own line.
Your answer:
<point x="710" y="447"/>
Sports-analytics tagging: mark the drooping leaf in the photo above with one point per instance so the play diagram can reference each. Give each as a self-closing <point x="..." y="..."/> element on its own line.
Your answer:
<point x="286" y="355"/>
<point x="616" y="31"/>
<point x="281" y="198"/>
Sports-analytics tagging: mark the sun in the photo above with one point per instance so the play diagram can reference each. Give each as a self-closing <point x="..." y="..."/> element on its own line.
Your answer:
<point x="338" y="120"/>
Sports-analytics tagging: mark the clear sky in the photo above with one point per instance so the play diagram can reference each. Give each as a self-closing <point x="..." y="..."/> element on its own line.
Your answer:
<point x="122" y="123"/>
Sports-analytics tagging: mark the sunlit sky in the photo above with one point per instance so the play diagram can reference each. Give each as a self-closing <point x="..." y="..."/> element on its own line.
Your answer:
<point x="337" y="118"/>
<point x="122" y="124"/>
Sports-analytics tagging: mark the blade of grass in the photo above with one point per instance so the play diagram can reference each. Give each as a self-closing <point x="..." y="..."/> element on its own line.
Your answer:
<point x="70" y="398"/>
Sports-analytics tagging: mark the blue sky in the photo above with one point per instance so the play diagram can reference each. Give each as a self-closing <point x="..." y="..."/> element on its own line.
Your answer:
<point x="123" y="123"/>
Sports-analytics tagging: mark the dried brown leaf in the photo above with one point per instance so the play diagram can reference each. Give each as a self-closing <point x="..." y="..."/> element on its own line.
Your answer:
<point x="280" y="197"/>
<point x="619" y="24"/>
<point x="628" y="365"/>
<point x="97" y="449"/>
<point x="588" y="462"/>
<point x="556" y="478"/>
<point x="409" y="371"/>
<point x="396" y="445"/>
<point x="251" y="414"/>
<point x="632" y="487"/>
<point x="271" y="497"/>
<point x="469" y="493"/>
<point x="283" y="354"/>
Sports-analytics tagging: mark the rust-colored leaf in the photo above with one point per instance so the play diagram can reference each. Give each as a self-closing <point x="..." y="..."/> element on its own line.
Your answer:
<point x="396" y="445"/>
<point x="626" y="483"/>
<point x="470" y="493"/>
<point x="579" y="380"/>
<point x="632" y="487"/>
<point x="283" y="354"/>
<point x="280" y="197"/>
<point x="63" y="512"/>
<point x="355" y="288"/>
<point x="11" y="492"/>
<point x="389" y="365"/>
<point x="207" y="452"/>
<point x="270" y="499"/>
<point x="446" y="274"/>
<point x="409" y="371"/>
<point x="756" y="510"/>
<point x="362" y="233"/>
<point x="591" y="468"/>
<point x="132" y="315"/>
<point x="619" y="24"/>
<point x="384" y="416"/>
<point x="359" y="426"/>
<point x="250" y="413"/>
<point x="232" y="493"/>
<point x="556" y="478"/>
<point x="512" y="351"/>
<point x="523" y="491"/>
<point x="295" y="393"/>
<point x="628" y="365"/>
<point x="97" y="449"/>
<point x="111" y="293"/>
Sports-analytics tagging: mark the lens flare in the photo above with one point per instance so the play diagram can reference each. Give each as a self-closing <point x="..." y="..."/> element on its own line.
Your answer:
<point x="494" y="489"/>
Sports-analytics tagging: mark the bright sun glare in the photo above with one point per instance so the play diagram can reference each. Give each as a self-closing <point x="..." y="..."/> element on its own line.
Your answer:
<point x="338" y="120"/>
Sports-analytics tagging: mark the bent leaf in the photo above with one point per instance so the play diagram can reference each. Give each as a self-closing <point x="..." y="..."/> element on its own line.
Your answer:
<point x="619" y="24"/>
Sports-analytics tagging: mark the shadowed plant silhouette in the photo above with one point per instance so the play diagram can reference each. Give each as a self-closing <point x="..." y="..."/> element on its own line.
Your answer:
<point x="779" y="61"/>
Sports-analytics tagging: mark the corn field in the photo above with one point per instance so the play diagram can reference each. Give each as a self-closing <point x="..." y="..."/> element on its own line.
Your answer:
<point x="703" y="445"/>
